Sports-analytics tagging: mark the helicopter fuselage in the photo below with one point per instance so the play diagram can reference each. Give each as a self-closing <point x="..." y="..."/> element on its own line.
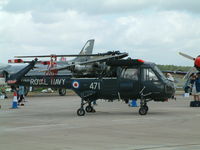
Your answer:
<point x="130" y="83"/>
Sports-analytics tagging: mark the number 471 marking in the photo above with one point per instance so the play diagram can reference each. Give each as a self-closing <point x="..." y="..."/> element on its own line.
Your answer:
<point x="95" y="85"/>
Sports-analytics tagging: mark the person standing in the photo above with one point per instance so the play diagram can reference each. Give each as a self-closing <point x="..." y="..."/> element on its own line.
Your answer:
<point x="193" y="84"/>
<point x="197" y="85"/>
<point x="21" y="95"/>
<point x="3" y="91"/>
<point x="170" y="77"/>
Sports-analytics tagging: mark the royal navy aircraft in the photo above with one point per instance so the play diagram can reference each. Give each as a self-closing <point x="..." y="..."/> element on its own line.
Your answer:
<point x="130" y="79"/>
<point x="135" y="79"/>
<point x="6" y="70"/>
<point x="60" y="81"/>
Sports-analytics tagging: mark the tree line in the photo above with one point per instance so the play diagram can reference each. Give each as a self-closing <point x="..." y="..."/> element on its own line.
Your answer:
<point x="174" y="68"/>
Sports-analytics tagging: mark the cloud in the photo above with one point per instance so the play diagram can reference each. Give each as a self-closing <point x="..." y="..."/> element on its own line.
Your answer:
<point x="3" y="3"/>
<point x="28" y="34"/>
<point x="102" y="6"/>
<point x="46" y="27"/>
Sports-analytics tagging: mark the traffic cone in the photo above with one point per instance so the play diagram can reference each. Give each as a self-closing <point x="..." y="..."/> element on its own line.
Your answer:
<point x="14" y="104"/>
<point x="133" y="103"/>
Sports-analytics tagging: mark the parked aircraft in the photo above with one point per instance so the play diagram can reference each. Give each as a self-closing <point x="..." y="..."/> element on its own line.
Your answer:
<point x="130" y="79"/>
<point x="196" y="60"/>
<point x="7" y="70"/>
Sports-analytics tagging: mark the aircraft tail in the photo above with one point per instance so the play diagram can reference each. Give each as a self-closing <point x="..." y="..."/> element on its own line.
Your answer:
<point x="87" y="49"/>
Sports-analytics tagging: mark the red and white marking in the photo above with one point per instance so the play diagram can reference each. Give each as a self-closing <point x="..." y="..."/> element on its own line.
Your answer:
<point x="75" y="84"/>
<point x="15" y="61"/>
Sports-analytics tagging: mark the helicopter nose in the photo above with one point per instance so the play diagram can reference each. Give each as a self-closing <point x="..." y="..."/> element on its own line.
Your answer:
<point x="170" y="88"/>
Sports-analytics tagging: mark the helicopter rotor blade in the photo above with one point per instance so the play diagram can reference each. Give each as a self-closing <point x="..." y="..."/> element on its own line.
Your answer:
<point x="72" y="55"/>
<point x="53" y="56"/>
<point x="103" y="59"/>
<point x="186" y="56"/>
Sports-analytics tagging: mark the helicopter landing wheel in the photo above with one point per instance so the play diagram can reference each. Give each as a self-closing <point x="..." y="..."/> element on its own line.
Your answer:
<point x="80" y="112"/>
<point x="62" y="92"/>
<point x="146" y="107"/>
<point x="143" y="110"/>
<point x="89" y="109"/>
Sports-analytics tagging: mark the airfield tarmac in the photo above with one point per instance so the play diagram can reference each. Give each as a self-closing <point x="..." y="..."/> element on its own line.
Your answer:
<point x="51" y="123"/>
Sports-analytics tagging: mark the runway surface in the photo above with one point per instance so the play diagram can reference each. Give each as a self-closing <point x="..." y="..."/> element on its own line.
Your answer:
<point x="51" y="123"/>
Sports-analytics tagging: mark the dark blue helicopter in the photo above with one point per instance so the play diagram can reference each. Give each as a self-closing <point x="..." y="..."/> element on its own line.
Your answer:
<point x="135" y="79"/>
<point x="112" y="78"/>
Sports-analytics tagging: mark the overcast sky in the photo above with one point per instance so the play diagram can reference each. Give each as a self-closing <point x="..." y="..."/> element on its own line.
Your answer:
<point x="153" y="30"/>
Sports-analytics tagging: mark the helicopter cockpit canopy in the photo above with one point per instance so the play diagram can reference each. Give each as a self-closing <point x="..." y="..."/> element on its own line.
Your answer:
<point x="130" y="73"/>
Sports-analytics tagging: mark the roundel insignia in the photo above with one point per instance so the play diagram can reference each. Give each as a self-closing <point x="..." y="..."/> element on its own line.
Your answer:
<point x="75" y="84"/>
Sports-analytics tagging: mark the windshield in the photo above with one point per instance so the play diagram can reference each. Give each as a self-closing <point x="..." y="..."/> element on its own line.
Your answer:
<point x="130" y="73"/>
<point x="149" y="75"/>
<point x="159" y="72"/>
